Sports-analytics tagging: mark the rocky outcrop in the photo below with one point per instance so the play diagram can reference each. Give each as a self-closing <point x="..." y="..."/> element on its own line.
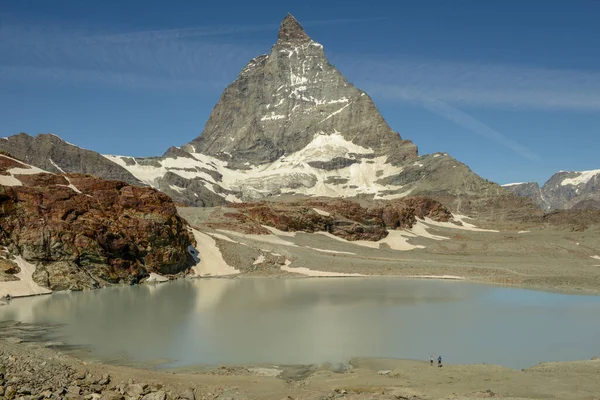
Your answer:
<point x="343" y="218"/>
<point x="86" y="232"/>
<point x="564" y="190"/>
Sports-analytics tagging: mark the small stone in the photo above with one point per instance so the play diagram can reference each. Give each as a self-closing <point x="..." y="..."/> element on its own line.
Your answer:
<point x="74" y="390"/>
<point x="81" y="375"/>
<point x="112" y="396"/>
<point x="160" y="395"/>
<point x="25" y="390"/>
<point x="105" y="380"/>
<point x="135" y="390"/>
<point x="96" y="388"/>
<point x="188" y="394"/>
<point x="10" y="392"/>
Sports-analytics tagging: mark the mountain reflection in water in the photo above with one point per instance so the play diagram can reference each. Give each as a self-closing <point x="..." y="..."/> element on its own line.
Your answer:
<point x="303" y="321"/>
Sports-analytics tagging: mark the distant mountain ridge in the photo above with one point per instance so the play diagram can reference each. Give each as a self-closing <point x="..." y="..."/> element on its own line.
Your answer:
<point x="564" y="190"/>
<point x="290" y="124"/>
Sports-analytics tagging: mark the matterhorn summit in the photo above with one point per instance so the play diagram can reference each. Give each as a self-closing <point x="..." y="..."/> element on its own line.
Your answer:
<point x="284" y="100"/>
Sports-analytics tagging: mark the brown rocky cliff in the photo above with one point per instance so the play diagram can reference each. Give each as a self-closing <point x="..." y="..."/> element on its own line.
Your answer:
<point x="344" y="218"/>
<point x="84" y="232"/>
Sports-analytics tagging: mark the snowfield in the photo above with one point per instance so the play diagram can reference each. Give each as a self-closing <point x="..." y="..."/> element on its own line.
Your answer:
<point x="289" y="174"/>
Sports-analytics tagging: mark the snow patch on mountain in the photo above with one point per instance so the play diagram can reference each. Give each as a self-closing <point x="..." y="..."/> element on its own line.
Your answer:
<point x="583" y="178"/>
<point x="289" y="174"/>
<point x="513" y="184"/>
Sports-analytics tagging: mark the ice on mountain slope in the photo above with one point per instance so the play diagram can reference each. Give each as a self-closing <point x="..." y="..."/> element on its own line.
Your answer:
<point x="583" y="178"/>
<point x="289" y="174"/>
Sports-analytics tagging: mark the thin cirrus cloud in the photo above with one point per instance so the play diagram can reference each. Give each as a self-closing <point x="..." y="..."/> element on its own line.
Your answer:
<point x="469" y="122"/>
<point x="183" y="33"/>
<point x="183" y="56"/>
<point x="507" y="86"/>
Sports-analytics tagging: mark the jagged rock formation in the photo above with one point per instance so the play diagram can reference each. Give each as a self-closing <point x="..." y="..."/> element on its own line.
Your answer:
<point x="564" y="190"/>
<point x="343" y="218"/>
<point x="86" y="232"/>
<point x="290" y="124"/>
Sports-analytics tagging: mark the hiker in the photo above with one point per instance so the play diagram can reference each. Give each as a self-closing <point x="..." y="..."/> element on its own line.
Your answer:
<point x="431" y="360"/>
<point x="439" y="361"/>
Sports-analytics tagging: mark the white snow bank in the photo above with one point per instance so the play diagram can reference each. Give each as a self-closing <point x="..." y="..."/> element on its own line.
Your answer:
<point x="156" y="278"/>
<point x="259" y="260"/>
<point x="583" y="178"/>
<point x="513" y="184"/>
<point x="223" y="237"/>
<point x="277" y="232"/>
<point x="72" y="187"/>
<point x="420" y="229"/>
<point x="211" y="260"/>
<point x="321" y="212"/>
<point x="25" y="286"/>
<point x="311" y="272"/>
<point x="273" y="239"/>
<point x="9" y="180"/>
<point x="330" y="251"/>
<point x="528" y="232"/>
<point x="466" y="226"/>
<point x="396" y="240"/>
<point x="56" y="166"/>
<point x="596" y="257"/>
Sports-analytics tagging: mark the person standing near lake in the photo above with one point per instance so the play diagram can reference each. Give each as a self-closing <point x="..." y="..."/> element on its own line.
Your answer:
<point x="439" y="361"/>
<point x="431" y="360"/>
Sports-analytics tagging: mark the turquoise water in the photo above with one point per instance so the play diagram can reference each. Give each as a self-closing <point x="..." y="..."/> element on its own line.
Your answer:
<point x="305" y="321"/>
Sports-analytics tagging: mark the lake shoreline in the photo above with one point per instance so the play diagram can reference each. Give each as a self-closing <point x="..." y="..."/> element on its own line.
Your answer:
<point x="368" y="377"/>
<point x="534" y="286"/>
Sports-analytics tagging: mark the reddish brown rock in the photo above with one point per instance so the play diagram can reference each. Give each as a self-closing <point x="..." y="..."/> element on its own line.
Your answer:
<point x="107" y="233"/>
<point x="7" y="162"/>
<point x="346" y="219"/>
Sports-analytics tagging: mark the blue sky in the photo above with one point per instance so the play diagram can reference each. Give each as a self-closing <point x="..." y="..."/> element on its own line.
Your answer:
<point x="511" y="88"/>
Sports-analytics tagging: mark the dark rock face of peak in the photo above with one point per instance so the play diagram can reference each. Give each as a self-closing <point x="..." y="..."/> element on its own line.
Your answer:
<point x="281" y="101"/>
<point x="291" y="31"/>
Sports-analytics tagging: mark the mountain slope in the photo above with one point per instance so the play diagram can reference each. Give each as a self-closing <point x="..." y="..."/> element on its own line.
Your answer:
<point x="564" y="190"/>
<point x="282" y="100"/>
<point x="52" y="154"/>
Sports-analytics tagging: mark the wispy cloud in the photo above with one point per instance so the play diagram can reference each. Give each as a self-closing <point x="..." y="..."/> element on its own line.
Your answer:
<point x="413" y="79"/>
<point x="190" y="59"/>
<point x="474" y="125"/>
<point x="182" y="33"/>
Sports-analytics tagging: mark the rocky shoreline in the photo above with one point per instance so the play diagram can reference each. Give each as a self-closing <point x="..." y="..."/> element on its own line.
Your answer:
<point x="31" y="372"/>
